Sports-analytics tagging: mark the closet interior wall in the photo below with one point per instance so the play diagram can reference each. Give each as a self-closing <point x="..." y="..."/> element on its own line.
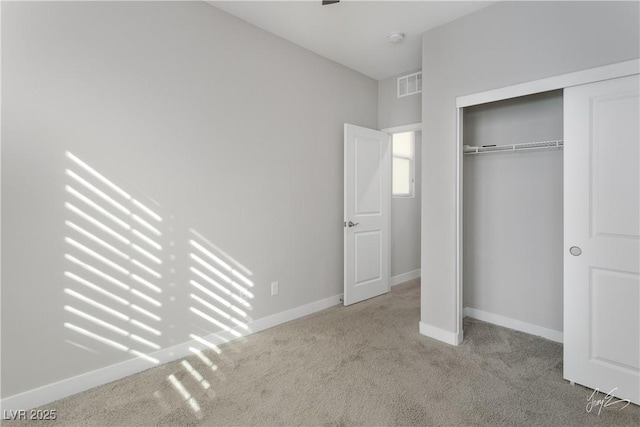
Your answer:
<point x="512" y="211"/>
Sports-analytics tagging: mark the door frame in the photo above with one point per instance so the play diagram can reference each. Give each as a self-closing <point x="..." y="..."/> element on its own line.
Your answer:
<point x="406" y="128"/>
<point x="592" y="75"/>
<point x="414" y="127"/>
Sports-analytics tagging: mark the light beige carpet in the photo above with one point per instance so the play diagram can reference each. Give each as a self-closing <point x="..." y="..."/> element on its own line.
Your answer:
<point x="360" y="365"/>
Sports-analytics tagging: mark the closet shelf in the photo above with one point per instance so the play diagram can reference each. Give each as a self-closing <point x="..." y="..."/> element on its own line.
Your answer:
<point x="471" y="149"/>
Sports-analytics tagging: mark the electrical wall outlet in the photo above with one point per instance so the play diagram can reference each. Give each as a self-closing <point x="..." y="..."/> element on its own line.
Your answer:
<point x="274" y="288"/>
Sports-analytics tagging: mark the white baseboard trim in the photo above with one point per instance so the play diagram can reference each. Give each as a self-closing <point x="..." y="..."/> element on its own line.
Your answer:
<point x="440" y="334"/>
<point x="294" y="313"/>
<point x="67" y="387"/>
<point x="404" y="277"/>
<point x="517" y="325"/>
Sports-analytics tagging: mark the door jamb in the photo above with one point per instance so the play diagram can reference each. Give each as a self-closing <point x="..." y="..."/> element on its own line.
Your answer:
<point x="414" y="127"/>
<point x="406" y="128"/>
<point x="562" y="81"/>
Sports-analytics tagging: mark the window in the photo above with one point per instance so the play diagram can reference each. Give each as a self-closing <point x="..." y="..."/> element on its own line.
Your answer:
<point x="403" y="164"/>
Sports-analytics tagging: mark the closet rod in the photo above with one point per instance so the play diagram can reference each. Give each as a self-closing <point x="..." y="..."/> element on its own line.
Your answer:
<point x="471" y="149"/>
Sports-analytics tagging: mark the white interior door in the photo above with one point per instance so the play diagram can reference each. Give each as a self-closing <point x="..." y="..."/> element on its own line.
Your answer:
<point x="602" y="237"/>
<point x="367" y="197"/>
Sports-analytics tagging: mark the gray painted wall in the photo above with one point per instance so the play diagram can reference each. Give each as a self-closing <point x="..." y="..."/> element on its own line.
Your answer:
<point x="210" y="122"/>
<point x="405" y="224"/>
<point x="512" y="207"/>
<point x="502" y="45"/>
<point x="394" y="111"/>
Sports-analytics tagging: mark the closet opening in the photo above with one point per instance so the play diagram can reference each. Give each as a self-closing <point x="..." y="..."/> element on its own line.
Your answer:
<point x="512" y="213"/>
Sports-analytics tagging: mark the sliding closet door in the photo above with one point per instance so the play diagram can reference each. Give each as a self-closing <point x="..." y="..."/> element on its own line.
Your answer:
<point x="602" y="237"/>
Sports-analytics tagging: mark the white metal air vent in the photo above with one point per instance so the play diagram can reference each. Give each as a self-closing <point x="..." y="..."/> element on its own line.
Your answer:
<point x="410" y="84"/>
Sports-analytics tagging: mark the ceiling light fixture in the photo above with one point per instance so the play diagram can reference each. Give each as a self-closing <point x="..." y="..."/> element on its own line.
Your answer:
<point x="396" y="37"/>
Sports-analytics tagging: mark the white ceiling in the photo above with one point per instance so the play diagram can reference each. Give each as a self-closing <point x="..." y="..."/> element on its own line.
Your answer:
<point x="353" y="32"/>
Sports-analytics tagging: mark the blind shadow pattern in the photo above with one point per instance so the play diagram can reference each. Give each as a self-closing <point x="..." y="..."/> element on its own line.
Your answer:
<point x="113" y="265"/>
<point x="116" y="267"/>
<point x="220" y="295"/>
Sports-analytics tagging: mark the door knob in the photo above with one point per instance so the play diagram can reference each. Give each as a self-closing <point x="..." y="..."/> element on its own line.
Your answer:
<point x="352" y="224"/>
<point x="575" y="251"/>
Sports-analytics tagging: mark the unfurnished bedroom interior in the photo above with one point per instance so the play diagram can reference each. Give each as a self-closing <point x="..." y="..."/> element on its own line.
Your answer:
<point x="320" y="213"/>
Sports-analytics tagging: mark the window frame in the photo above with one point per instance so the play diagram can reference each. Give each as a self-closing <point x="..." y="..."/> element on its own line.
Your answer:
<point x="412" y="166"/>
